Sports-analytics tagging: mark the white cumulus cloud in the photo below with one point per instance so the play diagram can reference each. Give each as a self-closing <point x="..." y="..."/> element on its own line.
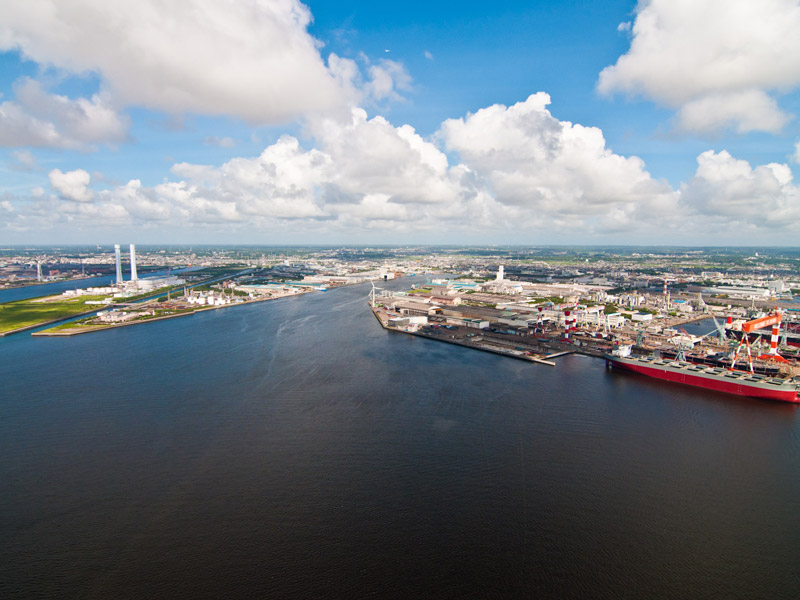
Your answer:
<point x="558" y="171"/>
<point x="40" y="119"/>
<point x="742" y="198"/>
<point x="522" y="170"/>
<point x="72" y="185"/>
<point x="715" y="60"/>
<point x="250" y="59"/>
<point x="515" y="174"/>
<point x="371" y="156"/>
<point x="386" y="77"/>
<point x="746" y="110"/>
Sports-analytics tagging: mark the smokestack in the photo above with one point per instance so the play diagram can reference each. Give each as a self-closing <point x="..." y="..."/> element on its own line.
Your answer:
<point x="134" y="277"/>
<point x="38" y="270"/>
<point x="119" y="263"/>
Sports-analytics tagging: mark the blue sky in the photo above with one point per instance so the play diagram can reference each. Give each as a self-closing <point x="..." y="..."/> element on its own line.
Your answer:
<point x="354" y="122"/>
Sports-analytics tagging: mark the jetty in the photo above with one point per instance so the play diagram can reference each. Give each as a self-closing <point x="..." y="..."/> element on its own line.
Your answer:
<point x="540" y="350"/>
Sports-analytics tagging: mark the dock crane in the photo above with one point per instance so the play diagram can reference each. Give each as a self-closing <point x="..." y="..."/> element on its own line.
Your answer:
<point x="719" y="329"/>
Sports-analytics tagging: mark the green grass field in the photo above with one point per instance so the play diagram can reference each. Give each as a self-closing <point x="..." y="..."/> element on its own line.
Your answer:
<point x="24" y="313"/>
<point x="95" y="323"/>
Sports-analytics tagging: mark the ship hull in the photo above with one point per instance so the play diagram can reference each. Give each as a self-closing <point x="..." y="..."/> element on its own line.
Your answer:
<point x="720" y="383"/>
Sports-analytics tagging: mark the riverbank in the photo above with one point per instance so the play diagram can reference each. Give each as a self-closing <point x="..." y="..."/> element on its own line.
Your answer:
<point x="43" y="311"/>
<point x="24" y="315"/>
<point x="82" y="329"/>
<point x="45" y="323"/>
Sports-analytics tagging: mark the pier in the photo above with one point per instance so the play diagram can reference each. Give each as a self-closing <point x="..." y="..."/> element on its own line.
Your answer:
<point x="536" y="349"/>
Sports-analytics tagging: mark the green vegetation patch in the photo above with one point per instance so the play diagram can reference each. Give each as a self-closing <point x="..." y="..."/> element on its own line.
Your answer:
<point x="94" y="323"/>
<point x="80" y="324"/>
<point x="26" y="313"/>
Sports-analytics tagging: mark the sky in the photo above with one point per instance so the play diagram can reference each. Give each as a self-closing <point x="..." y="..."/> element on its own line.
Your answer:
<point x="364" y="123"/>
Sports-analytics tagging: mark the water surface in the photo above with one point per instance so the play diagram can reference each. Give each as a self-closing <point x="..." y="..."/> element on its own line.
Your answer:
<point x="294" y="449"/>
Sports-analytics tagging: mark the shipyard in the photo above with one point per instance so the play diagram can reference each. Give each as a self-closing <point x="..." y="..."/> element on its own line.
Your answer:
<point x="746" y="351"/>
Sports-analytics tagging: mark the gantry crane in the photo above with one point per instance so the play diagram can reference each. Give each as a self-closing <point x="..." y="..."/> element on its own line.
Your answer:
<point x="773" y="319"/>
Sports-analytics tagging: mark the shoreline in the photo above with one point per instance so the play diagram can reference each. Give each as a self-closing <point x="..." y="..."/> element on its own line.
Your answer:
<point x="96" y="328"/>
<point x="36" y="283"/>
<point x="45" y="323"/>
<point x="141" y="301"/>
<point x="543" y="349"/>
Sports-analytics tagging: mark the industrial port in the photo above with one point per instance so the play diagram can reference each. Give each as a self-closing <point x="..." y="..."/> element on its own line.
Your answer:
<point x="533" y="304"/>
<point x="514" y="319"/>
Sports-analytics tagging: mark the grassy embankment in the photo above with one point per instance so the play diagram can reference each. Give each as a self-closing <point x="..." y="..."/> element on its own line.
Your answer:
<point x="35" y="311"/>
<point x="93" y="322"/>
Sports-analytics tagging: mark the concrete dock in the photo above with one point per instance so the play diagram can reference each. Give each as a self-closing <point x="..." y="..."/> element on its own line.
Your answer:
<point x="539" y="350"/>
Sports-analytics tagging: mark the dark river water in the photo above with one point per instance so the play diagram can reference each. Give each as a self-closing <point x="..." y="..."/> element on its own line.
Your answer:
<point x="49" y="289"/>
<point x="294" y="449"/>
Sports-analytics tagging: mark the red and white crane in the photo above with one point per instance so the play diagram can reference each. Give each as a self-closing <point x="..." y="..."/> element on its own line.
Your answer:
<point x="773" y="319"/>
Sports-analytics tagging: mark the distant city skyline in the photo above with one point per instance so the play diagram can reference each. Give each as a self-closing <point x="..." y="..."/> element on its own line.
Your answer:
<point x="276" y="122"/>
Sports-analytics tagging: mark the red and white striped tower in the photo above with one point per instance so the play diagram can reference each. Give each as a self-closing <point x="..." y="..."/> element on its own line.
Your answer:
<point x="773" y="341"/>
<point x="566" y="324"/>
<point x="541" y="315"/>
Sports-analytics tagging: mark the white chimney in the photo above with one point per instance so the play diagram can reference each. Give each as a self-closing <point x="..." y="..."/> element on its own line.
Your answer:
<point x="134" y="277"/>
<point x="119" y="263"/>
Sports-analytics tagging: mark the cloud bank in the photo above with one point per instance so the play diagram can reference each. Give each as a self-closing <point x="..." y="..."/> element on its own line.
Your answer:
<point x="514" y="173"/>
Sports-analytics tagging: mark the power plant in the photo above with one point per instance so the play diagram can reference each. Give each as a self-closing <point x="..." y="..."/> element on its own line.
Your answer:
<point x="136" y="285"/>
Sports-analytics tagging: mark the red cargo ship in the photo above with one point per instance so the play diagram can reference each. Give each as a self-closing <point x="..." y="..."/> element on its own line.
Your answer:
<point x="741" y="383"/>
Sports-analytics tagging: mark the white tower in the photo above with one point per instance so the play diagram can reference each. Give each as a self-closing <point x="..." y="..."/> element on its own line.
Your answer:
<point x="500" y="273"/>
<point x="119" y="263"/>
<point x="38" y="270"/>
<point x="134" y="276"/>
